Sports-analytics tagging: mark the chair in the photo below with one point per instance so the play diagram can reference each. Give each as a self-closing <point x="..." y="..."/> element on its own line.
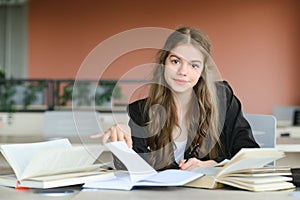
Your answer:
<point x="70" y="124"/>
<point x="296" y="121"/>
<point x="79" y="125"/>
<point x="285" y="115"/>
<point x="264" y="129"/>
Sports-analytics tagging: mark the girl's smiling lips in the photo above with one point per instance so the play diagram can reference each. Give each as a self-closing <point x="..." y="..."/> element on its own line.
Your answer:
<point x="180" y="81"/>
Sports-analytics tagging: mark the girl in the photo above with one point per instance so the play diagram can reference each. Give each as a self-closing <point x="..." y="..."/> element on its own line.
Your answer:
<point x="190" y="119"/>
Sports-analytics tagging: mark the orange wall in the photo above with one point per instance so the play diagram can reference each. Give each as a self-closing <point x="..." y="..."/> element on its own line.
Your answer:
<point x="255" y="43"/>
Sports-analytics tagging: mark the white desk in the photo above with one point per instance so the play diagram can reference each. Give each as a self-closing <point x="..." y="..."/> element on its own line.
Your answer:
<point x="184" y="194"/>
<point x="9" y="193"/>
<point x="171" y="193"/>
<point x="292" y="155"/>
<point x="291" y="131"/>
<point x="291" y="147"/>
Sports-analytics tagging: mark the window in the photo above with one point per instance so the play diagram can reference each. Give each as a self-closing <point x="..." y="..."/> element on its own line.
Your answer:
<point x="13" y="38"/>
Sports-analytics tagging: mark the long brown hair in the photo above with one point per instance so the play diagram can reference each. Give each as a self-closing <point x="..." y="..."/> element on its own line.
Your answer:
<point x="161" y="108"/>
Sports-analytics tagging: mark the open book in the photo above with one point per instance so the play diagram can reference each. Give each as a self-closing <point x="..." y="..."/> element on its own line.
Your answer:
<point x="139" y="173"/>
<point x="51" y="164"/>
<point x="247" y="170"/>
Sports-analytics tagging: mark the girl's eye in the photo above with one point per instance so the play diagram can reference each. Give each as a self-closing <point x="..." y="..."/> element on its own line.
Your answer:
<point x="175" y="61"/>
<point x="195" y="66"/>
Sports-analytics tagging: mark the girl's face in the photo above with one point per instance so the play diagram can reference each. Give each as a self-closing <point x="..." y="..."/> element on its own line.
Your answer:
<point x="183" y="68"/>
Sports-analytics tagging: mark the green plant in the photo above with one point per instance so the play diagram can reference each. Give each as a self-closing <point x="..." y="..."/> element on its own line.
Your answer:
<point x="10" y="93"/>
<point x="66" y="95"/>
<point x="7" y="91"/>
<point x="82" y="95"/>
<point x="109" y="90"/>
<point x="30" y="93"/>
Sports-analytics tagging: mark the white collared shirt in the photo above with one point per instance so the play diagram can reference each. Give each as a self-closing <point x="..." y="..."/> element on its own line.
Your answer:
<point x="179" y="149"/>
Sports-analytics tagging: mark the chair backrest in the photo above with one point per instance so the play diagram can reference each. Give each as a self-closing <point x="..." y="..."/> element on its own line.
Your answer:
<point x="264" y="129"/>
<point x="285" y="114"/>
<point x="296" y="121"/>
<point x="70" y="124"/>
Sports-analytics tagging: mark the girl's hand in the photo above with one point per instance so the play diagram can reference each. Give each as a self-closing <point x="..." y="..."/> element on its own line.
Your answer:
<point x="118" y="132"/>
<point x="193" y="163"/>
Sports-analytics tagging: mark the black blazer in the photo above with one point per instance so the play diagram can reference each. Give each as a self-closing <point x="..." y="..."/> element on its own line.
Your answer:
<point x="235" y="135"/>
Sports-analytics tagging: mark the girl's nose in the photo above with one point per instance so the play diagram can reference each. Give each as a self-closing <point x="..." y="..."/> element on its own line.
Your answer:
<point x="183" y="69"/>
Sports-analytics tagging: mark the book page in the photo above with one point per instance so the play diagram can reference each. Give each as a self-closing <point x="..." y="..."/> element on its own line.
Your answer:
<point x="70" y="175"/>
<point x="208" y="171"/>
<point x="260" y="187"/>
<point x="169" y="177"/>
<point x="62" y="160"/>
<point x="259" y="180"/>
<point x="137" y="167"/>
<point x="122" y="180"/>
<point x="251" y="158"/>
<point x="19" y="155"/>
<point x="261" y="172"/>
<point x="140" y="173"/>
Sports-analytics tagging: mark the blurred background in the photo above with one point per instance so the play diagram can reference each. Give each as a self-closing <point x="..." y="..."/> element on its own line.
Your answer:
<point x="255" y="44"/>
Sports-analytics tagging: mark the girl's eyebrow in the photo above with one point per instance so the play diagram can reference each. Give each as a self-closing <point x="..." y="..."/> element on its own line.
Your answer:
<point x="191" y="61"/>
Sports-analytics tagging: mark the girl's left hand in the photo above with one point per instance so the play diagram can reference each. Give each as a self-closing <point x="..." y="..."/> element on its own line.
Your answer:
<point x="193" y="163"/>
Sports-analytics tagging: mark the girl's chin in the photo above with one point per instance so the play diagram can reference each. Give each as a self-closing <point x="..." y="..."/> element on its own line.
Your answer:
<point x="181" y="90"/>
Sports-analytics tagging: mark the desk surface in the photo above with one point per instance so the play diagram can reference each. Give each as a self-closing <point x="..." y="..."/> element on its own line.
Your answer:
<point x="11" y="193"/>
<point x="165" y="193"/>
<point x="170" y="193"/>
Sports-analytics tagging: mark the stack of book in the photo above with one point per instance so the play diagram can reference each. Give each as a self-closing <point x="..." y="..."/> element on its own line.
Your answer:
<point x="51" y="164"/>
<point x="247" y="170"/>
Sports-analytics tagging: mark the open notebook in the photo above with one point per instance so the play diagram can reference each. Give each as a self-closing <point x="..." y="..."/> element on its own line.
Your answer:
<point x="139" y="173"/>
